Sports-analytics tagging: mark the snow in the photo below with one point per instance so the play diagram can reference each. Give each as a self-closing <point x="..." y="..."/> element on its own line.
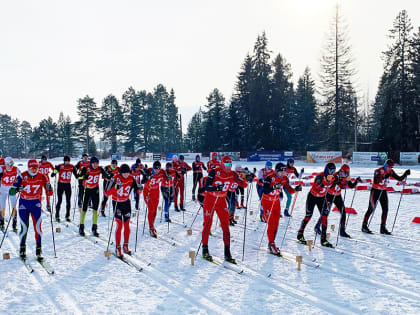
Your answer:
<point x="374" y="274"/>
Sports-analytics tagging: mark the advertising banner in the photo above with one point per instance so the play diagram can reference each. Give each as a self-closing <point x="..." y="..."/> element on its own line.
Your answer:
<point x="410" y="158"/>
<point x="187" y="156"/>
<point x="368" y="158"/>
<point x="269" y="156"/>
<point x="324" y="157"/>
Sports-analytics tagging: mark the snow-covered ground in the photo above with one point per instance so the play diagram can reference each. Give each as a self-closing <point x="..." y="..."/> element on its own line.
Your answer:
<point x="369" y="274"/>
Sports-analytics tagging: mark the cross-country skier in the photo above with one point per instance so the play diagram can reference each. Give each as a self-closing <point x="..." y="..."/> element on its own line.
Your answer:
<point x="137" y="171"/>
<point x="64" y="170"/>
<point x="262" y="174"/>
<point x="182" y="168"/>
<point x="10" y="179"/>
<point x="112" y="168"/>
<point x="240" y="190"/>
<point x="290" y="170"/>
<point x="151" y="183"/>
<point x="231" y="195"/>
<point x="213" y="162"/>
<point x="317" y="196"/>
<point x="378" y="193"/>
<point x="167" y="187"/>
<point x="120" y="188"/>
<point x="83" y="163"/>
<point x="90" y="177"/>
<point x="33" y="182"/>
<point x="45" y="166"/>
<point x="270" y="202"/>
<point x="197" y="167"/>
<point x="218" y="182"/>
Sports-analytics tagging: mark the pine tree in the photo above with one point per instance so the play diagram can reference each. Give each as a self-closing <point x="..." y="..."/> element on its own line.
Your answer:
<point x="336" y="86"/>
<point x="172" y="130"/>
<point x="25" y="134"/>
<point x="305" y="111"/>
<point x="134" y="127"/>
<point x="88" y="113"/>
<point x="214" y="132"/>
<point x="110" y="123"/>
<point x="45" y="138"/>
<point x="194" y="137"/>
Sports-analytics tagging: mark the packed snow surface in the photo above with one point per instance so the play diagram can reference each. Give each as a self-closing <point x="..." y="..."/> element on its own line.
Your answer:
<point x="369" y="274"/>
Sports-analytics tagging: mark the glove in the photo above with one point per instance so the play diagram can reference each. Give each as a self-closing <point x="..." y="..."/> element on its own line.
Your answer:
<point x="302" y="170"/>
<point x="12" y="191"/>
<point x="277" y="186"/>
<point x="118" y="185"/>
<point x="140" y="187"/>
<point x="19" y="189"/>
<point x="219" y="187"/>
<point x="406" y="173"/>
<point x="359" y="180"/>
<point x="48" y="186"/>
<point x="330" y="177"/>
<point x="48" y="208"/>
<point x="388" y="175"/>
<point x="53" y="174"/>
<point x="254" y="170"/>
<point x="298" y="188"/>
<point x="183" y="170"/>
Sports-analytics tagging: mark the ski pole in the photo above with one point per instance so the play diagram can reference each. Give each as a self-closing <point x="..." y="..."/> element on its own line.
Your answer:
<point x="12" y="213"/>
<point x="208" y="222"/>
<point x="147" y="202"/>
<point x="52" y="228"/>
<point x="107" y="252"/>
<point x="75" y="200"/>
<point x="246" y="212"/>
<point x="339" y="222"/>
<point x="137" y="227"/>
<point x="398" y="208"/>
<point x="291" y="212"/>
<point x="322" y="211"/>
<point x="351" y="206"/>
<point x="195" y="216"/>
<point x="269" y="216"/>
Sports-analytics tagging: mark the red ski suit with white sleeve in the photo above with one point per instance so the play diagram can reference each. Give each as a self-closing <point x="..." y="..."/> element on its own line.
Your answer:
<point x="215" y="201"/>
<point x="181" y="168"/>
<point x="151" y="194"/>
<point x="270" y="202"/>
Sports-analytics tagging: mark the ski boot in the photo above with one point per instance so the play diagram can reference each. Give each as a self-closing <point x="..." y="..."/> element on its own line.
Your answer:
<point x="317" y="228"/>
<point x="95" y="230"/>
<point x="242" y="204"/>
<point x="301" y="238"/>
<point x="384" y="230"/>
<point x="273" y="249"/>
<point x="231" y="221"/>
<point x="286" y="213"/>
<point x="82" y="230"/>
<point x="57" y="218"/>
<point x="176" y="208"/>
<point x="206" y="254"/>
<point x="38" y="253"/>
<point x="325" y="243"/>
<point x="22" y="252"/>
<point x="343" y="233"/>
<point x="152" y="232"/>
<point x="262" y="218"/>
<point x="103" y="213"/>
<point x="126" y="250"/>
<point x="167" y="218"/>
<point x="365" y="229"/>
<point x="182" y="207"/>
<point x="237" y="205"/>
<point x="118" y="252"/>
<point x="193" y="197"/>
<point x="228" y="256"/>
<point x="2" y="224"/>
<point x="68" y="219"/>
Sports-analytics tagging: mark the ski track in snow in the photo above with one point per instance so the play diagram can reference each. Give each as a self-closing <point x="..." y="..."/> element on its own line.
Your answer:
<point x="374" y="274"/>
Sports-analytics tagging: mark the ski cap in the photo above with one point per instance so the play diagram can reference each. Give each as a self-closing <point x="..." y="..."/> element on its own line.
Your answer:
<point x="138" y="161"/>
<point x="268" y="164"/>
<point x="84" y="155"/>
<point x="93" y="159"/>
<point x="389" y="164"/>
<point x="156" y="165"/>
<point x="197" y="157"/>
<point x="290" y="161"/>
<point x="214" y="155"/>
<point x="175" y="158"/>
<point x="9" y="161"/>
<point x="181" y="157"/>
<point x="43" y="158"/>
<point x="124" y="169"/>
<point x="169" y="165"/>
<point x="345" y="169"/>
<point x="329" y="169"/>
<point x="33" y="164"/>
<point x="227" y="161"/>
<point x="280" y="167"/>
<point x="66" y="158"/>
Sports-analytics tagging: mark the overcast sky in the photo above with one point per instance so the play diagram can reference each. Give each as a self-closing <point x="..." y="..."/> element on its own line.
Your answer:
<point x="54" y="52"/>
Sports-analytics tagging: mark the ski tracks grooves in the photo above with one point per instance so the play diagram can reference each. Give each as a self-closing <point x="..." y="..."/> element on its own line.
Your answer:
<point x="50" y="292"/>
<point x="177" y="288"/>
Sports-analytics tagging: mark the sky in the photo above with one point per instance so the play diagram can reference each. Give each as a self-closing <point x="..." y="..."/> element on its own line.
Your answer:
<point x="54" y="52"/>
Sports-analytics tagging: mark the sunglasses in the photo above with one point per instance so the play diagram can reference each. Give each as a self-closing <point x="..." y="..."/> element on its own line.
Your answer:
<point x="228" y="164"/>
<point x="282" y="169"/>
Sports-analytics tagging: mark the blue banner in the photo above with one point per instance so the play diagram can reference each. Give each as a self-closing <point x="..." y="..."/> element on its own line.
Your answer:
<point x="269" y="156"/>
<point x="170" y="155"/>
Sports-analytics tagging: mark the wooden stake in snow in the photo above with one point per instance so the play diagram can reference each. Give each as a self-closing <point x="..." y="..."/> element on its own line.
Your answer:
<point x="134" y="214"/>
<point x="236" y="217"/>
<point x="191" y="253"/>
<point x="251" y="212"/>
<point x="189" y="232"/>
<point x="299" y="261"/>
<point x="107" y="254"/>
<point x="310" y="243"/>
<point x="160" y="208"/>
<point x="6" y="256"/>
<point x="332" y="227"/>
<point x="58" y="230"/>
<point x="328" y="236"/>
